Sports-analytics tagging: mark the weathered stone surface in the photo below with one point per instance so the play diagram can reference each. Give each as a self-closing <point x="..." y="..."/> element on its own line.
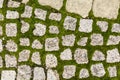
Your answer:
<point x="98" y="70"/>
<point x="85" y="25"/>
<point x="55" y="16"/>
<point x="25" y="26"/>
<point x="51" y="61"/>
<point x="106" y="8"/>
<point x="81" y="7"/>
<point x="25" y="1"/>
<point x="84" y="73"/>
<point x="24" y="72"/>
<point x="98" y="56"/>
<point x="27" y="12"/>
<point x="40" y="14"/>
<point x="11" y="46"/>
<point x="12" y="14"/>
<point x="39" y="73"/>
<point x="13" y="4"/>
<point x="37" y="44"/>
<point x="1" y="3"/>
<point x="70" y="23"/>
<point x="68" y="40"/>
<point x="24" y="55"/>
<point x="96" y="39"/>
<point x="112" y="71"/>
<point x="81" y="56"/>
<point x="1" y="62"/>
<point x="36" y="58"/>
<point x="52" y="44"/>
<point x="8" y="75"/>
<point x="103" y="25"/>
<point x="66" y="54"/>
<point x="113" y="56"/>
<point x="53" y="30"/>
<point x="11" y="29"/>
<point x="53" y="3"/>
<point x="1" y="46"/>
<point x="82" y="41"/>
<point x="24" y="41"/>
<point x="1" y="17"/>
<point x="10" y="61"/>
<point x="116" y="28"/>
<point x="113" y="40"/>
<point x="39" y="30"/>
<point x="69" y="71"/>
<point x="52" y="75"/>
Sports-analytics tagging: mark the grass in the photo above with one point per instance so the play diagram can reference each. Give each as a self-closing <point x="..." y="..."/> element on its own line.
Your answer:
<point x="48" y="22"/>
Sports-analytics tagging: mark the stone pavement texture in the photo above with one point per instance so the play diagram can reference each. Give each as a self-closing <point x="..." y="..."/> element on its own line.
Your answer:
<point x="59" y="40"/>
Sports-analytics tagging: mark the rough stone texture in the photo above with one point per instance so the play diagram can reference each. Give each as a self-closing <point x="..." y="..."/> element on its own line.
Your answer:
<point x="25" y="26"/>
<point x="106" y="8"/>
<point x="55" y="16"/>
<point x="24" y="55"/>
<point x="52" y="44"/>
<point x="11" y="46"/>
<point x="98" y="70"/>
<point x="24" y="72"/>
<point x="53" y="30"/>
<point x="51" y="61"/>
<point x="40" y="14"/>
<point x="36" y="58"/>
<point x="52" y="75"/>
<point x="11" y="29"/>
<point x="96" y="39"/>
<point x="113" y="56"/>
<point x="85" y="25"/>
<point x="39" y="30"/>
<point x="57" y="4"/>
<point x="66" y="54"/>
<point x="69" y="71"/>
<point x="1" y="3"/>
<point x="1" y="17"/>
<point x="39" y="73"/>
<point x="24" y="42"/>
<point x="84" y="73"/>
<point x="27" y="12"/>
<point x="113" y="40"/>
<point x="12" y="14"/>
<point x="103" y="25"/>
<point x="68" y="40"/>
<point x="116" y="28"/>
<point x="112" y="71"/>
<point x="81" y="7"/>
<point x="81" y="56"/>
<point x="37" y="44"/>
<point x="1" y="30"/>
<point x="8" y="75"/>
<point x="1" y="46"/>
<point x="98" y="56"/>
<point x="82" y="41"/>
<point x="70" y="23"/>
<point x="1" y="62"/>
<point x="13" y="4"/>
<point x="10" y="61"/>
<point x="25" y="1"/>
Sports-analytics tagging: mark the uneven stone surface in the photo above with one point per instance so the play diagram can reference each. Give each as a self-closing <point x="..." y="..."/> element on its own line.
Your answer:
<point x="12" y="14"/>
<point x="52" y="75"/>
<point x="84" y="73"/>
<point x="85" y="25"/>
<point x="53" y="3"/>
<point x="81" y="56"/>
<point x="8" y="75"/>
<point x="82" y="41"/>
<point x="112" y="71"/>
<point x="55" y="16"/>
<point x="1" y="46"/>
<point x="1" y="17"/>
<point x="106" y="9"/>
<point x="113" y="40"/>
<point x="1" y="62"/>
<point x="103" y="25"/>
<point x="98" y="70"/>
<point x="113" y="56"/>
<point x="69" y="71"/>
<point x="13" y="4"/>
<point x="1" y="3"/>
<point x="37" y="44"/>
<point x="24" y="41"/>
<point x="53" y="30"/>
<point x="36" y="58"/>
<point x="25" y="27"/>
<point x="81" y="7"/>
<point x="116" y="28"/>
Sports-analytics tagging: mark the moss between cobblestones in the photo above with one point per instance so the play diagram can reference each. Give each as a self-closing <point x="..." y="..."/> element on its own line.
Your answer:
<point x="48" y="22"/>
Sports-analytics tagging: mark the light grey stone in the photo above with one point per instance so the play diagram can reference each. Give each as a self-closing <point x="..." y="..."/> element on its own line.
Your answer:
<point x="25" y="1"/>
<point x="52" y="75"/>
<point x="70" y="23"/>
<point x="85" y="25"/>
<point x="13" y="4"/>
<point x="37" y="44"/>
<point x="1" y="17"/>
<point x="53" y="30"/>
<point x="36" y="58"/>
<point x="24" y="42"/>
<point x="55" y="16"/>
<point x="1" y="30"/>
<point x="1" y="62"/>
<point x="103" y="25"/>
<point x="82" y="41"/>
<point x="81" y="56"/>
<point x="113" y="40"/>
<point x="1" y="45"/>
<point x="1" y="3"/>
<point x="12" y="14"/>
<point x="116" y="28"/>
<point x="112" y="71"/>
<point x="11" y="46"/>
<point x="84" y="73"/>
<point x="25" y="26"/>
